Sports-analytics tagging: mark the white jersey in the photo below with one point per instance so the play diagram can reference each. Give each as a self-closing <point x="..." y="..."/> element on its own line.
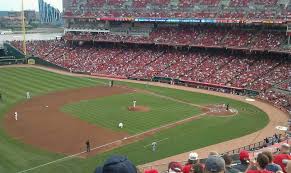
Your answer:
<point x="120" y="125"/>
<point x="27" y="95"/>
<point x="16" y="115"/>
<point x="134" y="103"/>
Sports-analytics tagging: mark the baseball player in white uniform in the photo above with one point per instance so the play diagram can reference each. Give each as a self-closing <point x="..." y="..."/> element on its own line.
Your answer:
<point x="120" y="125"/>
<point x="27" y="95"/>
<point x="154" y="146"/>
<point x="16" y="115"/>
<point x="134" y="103"/>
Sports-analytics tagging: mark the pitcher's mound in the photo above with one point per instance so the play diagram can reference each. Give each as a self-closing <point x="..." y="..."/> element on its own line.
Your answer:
<point x="219" y="110"/>
<point x="138" y="108"/>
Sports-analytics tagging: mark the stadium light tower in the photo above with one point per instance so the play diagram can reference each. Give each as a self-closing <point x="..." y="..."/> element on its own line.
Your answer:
<point x="23" y="28"/>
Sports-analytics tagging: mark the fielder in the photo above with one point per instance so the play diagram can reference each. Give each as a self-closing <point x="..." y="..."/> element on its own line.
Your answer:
<point x="88" y="146"/>
<point x="134" y="103"/>
<point x="111" y="83"/>
<point x="27" y="95"/>
<point x="1" y="98"/>
<point x="16" y="115"/>
<point x="227" y="106"/>
<point x="154" y="146"/>
<point x="120" y="125"/>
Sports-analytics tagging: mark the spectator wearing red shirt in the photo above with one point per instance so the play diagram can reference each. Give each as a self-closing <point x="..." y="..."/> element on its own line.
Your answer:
<point x="193" y="164"/>
<point x="284" y="155"/>
<point x="260" y="165"/>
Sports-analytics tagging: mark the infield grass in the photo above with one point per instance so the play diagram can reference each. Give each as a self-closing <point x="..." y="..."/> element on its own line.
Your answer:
<point x="16" y="156"/>
<point x="110" y="111"/>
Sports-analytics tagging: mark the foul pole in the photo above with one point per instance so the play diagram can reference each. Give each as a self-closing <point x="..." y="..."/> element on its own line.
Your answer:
<point x="23" y="28"/>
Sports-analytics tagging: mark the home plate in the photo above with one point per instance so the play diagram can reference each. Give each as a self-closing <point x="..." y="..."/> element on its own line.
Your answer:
<point x="250" y="100"/>
<point x="46" y="106"/>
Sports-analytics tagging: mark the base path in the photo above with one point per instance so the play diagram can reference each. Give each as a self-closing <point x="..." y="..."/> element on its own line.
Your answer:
<point x="276" y="116"/>
<point x="41" y="123"/>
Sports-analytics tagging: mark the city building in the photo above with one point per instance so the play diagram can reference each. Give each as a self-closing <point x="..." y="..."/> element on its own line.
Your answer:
<point x="48" y="14"/>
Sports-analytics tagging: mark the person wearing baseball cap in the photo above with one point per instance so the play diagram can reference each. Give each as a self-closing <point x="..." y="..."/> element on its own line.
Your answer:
<point x="283" y="156"/>
<point x="193" y="157"/>
<point x="117" y="164"/>
<point x="214" y="164"/>
<point x="192" y="160"/>
<point x="244" y="158"/>
<point x="174" y="167"/>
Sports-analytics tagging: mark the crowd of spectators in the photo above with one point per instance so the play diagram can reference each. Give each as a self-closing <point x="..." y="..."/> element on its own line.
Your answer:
<point x="198" y="36"/>
<point x="277" y="98"/>
<point x="265" y="161"/>
<point x="234" y="9"/>
<point x="251" y="71"/>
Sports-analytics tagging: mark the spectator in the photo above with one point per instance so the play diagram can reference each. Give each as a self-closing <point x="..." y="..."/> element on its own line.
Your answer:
<point x="228" y="162"/>
<point x="117" y="164"/>
<point x="273" y="167"/>
<point x="244" y="161"/>
<point x="260" y="164"/>
<point x="283" y="156"/>
<point x="214" y="164"/>
<point x="174" y="167"/>
<point x="193" y="165"/>
<point x="193" y="158"/>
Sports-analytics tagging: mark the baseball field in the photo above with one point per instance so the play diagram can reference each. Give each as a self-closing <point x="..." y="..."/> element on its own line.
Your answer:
<point x="65" y="111"/>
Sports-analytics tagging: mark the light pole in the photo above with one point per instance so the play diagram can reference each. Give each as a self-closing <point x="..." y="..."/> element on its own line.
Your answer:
<point x="23" y="28"/>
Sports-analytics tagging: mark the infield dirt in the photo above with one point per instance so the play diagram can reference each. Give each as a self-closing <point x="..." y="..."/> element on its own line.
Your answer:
<point x="41" y="123"/>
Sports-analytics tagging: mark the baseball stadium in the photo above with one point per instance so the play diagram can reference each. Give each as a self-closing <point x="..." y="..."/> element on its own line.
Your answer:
<point x="150" y="86"/>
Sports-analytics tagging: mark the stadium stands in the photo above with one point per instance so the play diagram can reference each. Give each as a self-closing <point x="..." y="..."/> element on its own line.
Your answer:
<point x="147" y="63"/>
<point x="239" y="9"/>
<point x="199" y="36"/>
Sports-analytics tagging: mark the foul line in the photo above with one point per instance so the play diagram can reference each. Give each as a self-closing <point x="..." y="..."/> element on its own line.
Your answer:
<point x="117" y="141"/>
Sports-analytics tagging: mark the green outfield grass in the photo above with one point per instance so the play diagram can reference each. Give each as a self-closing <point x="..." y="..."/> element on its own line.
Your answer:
<point x="16" y="156"/>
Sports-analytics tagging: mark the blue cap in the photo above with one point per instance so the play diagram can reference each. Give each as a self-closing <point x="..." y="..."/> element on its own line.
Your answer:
<point x="117" y="164"/>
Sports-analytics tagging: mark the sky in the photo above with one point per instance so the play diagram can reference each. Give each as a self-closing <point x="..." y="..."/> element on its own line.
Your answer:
<point x="15" y="5"/>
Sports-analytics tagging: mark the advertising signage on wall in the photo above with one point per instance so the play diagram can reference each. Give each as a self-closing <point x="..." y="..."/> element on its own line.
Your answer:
<point x="185" y="20"/>
<point x="170" y="20"/>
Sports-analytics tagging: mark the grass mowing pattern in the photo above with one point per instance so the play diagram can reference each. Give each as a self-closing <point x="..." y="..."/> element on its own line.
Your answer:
<point x="114" y="108"/>
<point x="14" y="83"/>
<point x="15" y="156"/>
